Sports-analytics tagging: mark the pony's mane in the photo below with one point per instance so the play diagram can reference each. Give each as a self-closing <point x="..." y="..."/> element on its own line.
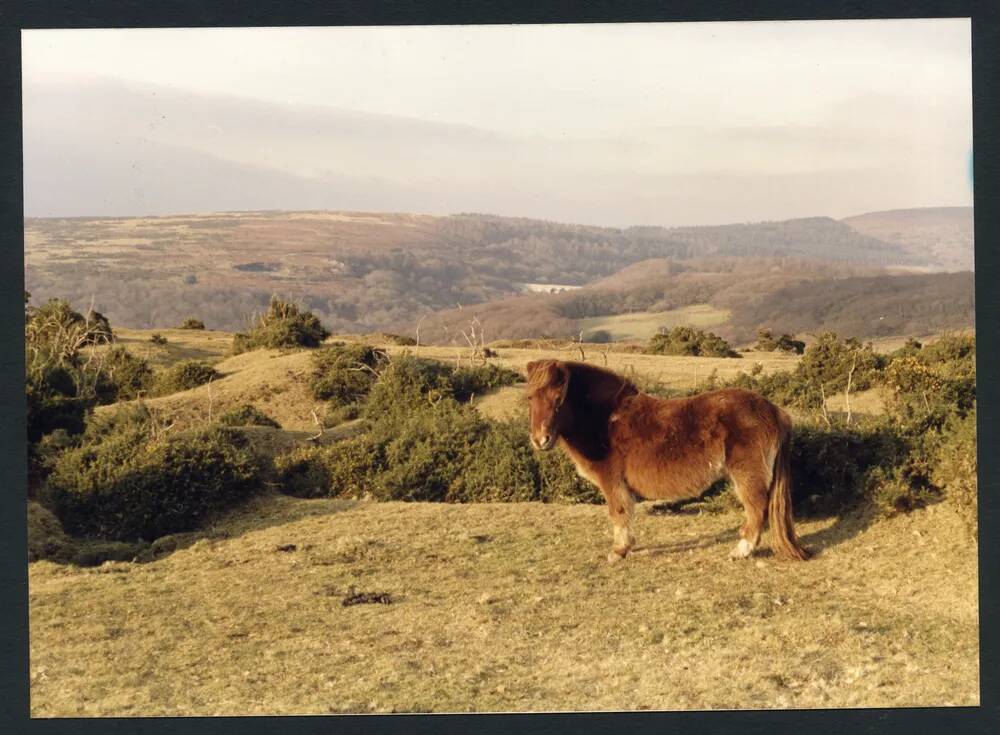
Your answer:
<point x="587" y="383"/>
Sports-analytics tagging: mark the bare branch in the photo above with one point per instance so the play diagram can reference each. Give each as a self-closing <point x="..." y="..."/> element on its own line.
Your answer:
<point x="319" y="424"/>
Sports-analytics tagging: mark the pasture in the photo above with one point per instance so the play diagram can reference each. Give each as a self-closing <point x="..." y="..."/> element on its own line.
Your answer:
<point x="643" y="325"/>
<point x="507" y="607"/>
<point x="497" y="607"/>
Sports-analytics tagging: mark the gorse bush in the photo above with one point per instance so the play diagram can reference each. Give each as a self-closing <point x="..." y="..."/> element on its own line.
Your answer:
<point x="467" y="382"/>
<point x="766" y="342"/>
<point x="824" y="370"/>
<point x="247" y="415"/>
<point x="123" y="376"/>
<point x="953" y="465"/>
<point x="66" y="373"/>
<point x="126" y="481"/>
<point x="344" y="373"/>
<point x="425" y="442"/>
<point x="688" y="341"/>
<point x="923" y="448"/>
<point x="192" y="323"/>
<point x="284" y="325"/>
<point x="57" y="323"/>
<point x="184" y="375"/>
<point x="157" y="339"/>
<point x="830" y="362"/>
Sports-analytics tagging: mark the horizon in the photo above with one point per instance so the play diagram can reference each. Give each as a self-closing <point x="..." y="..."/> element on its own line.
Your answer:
<point x="171" y="215"/>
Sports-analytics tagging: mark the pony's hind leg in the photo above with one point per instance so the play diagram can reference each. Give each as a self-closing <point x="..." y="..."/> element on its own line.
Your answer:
<point x="621" y="509"/>
<point x="752" y="490"/>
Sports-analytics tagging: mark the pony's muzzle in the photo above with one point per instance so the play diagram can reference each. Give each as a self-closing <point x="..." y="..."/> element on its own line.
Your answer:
<point x="546" y="441"/>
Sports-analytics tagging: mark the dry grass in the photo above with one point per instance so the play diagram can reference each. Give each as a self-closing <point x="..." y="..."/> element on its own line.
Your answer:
<point x="277" y="383"/>
<point x="182" y="344"/>
<point x="643" y="325"/>
<point x="507" y="608"/>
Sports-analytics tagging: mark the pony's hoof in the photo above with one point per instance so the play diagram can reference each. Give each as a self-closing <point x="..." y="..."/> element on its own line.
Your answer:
<point x="742" y="551"/>
<point x="614" y="557"/>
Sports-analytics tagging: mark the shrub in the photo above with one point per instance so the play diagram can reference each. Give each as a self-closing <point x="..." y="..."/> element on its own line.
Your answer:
<point x="426" y="451"/>
<point x="247" y="415"/>
<point x="953" y="466"/>
<point x="927" y="386"/>
<point x="184" y="375"/>
<point x="157" y="339"/>
<point x="60" y="386"/>
<point x="124" y="483"/>
<point x="46" y="538"/>
<point x="499" y="466"/>
<point x="57" y="322"/>
<point x="467" y="382"/>
<point x="53" y="403"/>
<point x="192" y="323"/>
<point x="344" y="373"/>
<point x="124" y="376"/>
<point x="785" y="343"/>
<point x="394" y="339"/>
<point x="831" y="361"/>
<point x="336" y="415"/>
<point x="688" y="341"/>
<point x="347" y="469"/>
<point x="284" y="325"/>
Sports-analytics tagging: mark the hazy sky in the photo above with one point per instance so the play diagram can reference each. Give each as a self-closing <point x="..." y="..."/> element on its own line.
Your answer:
<point x="675" y="123"/>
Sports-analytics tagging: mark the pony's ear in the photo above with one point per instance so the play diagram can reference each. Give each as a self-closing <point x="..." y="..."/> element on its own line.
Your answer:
<point x="558" y="374"/>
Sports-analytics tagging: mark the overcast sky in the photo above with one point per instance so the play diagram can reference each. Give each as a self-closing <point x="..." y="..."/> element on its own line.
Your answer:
<point x="674" y="124"/>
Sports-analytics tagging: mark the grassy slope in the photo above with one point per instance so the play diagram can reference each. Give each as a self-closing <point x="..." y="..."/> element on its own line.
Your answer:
<point x="507" y="607"/>
<point x="643" y="325"/>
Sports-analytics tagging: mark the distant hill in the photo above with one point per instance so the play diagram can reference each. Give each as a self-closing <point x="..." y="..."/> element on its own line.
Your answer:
<point x="943" y="236"/>
<point x="785" y="294"/>
<point x="366" y="272"/>
<point x="873" y="306"/>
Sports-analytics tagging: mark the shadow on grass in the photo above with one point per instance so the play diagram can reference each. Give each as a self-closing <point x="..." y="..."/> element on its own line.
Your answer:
<point x="265" y="510"/>
<point x="702" y="542"/>
<point x="845" y="527"/>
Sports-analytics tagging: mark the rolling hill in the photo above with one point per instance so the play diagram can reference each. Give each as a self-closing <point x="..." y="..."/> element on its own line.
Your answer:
<point x="942" y="235"/>
<point x="365" y="272"/>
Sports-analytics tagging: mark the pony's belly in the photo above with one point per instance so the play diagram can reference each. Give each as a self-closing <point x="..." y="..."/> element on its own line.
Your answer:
<point x="673" y="480"/>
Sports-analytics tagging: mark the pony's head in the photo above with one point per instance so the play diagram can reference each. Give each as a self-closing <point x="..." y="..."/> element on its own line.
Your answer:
<point x="548" y="382"/>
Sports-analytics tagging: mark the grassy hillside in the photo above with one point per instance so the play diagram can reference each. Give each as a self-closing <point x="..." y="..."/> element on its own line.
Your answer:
<point x="784" y="295"/>
<point x="869" y="306"/>
<point x="640" y="326"/>
<point x="506" y="607"/>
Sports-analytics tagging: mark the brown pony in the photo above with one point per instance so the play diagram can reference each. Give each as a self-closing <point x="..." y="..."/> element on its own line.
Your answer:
<point x="632" y="445"/>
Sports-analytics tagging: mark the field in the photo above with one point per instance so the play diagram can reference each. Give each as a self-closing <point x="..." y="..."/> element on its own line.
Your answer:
<point x="643" y="325"/>
<point x="507" y="607"/>
<point x="497" y="607"/>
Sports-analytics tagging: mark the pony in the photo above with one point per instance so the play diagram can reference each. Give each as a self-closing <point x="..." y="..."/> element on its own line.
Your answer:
<point x="633" y="446"/>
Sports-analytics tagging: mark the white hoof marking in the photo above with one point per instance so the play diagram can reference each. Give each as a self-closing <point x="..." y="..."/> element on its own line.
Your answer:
<point x="743" y="549"/>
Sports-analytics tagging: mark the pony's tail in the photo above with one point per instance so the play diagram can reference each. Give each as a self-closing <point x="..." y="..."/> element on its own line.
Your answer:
<point x="779" y="509"/>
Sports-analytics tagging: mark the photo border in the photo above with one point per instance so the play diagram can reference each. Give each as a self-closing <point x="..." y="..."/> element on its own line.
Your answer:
<point x="14" y="669"/>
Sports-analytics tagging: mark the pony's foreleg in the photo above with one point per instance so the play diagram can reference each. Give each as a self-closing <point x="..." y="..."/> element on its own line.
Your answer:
<point x="621" y="509"/>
